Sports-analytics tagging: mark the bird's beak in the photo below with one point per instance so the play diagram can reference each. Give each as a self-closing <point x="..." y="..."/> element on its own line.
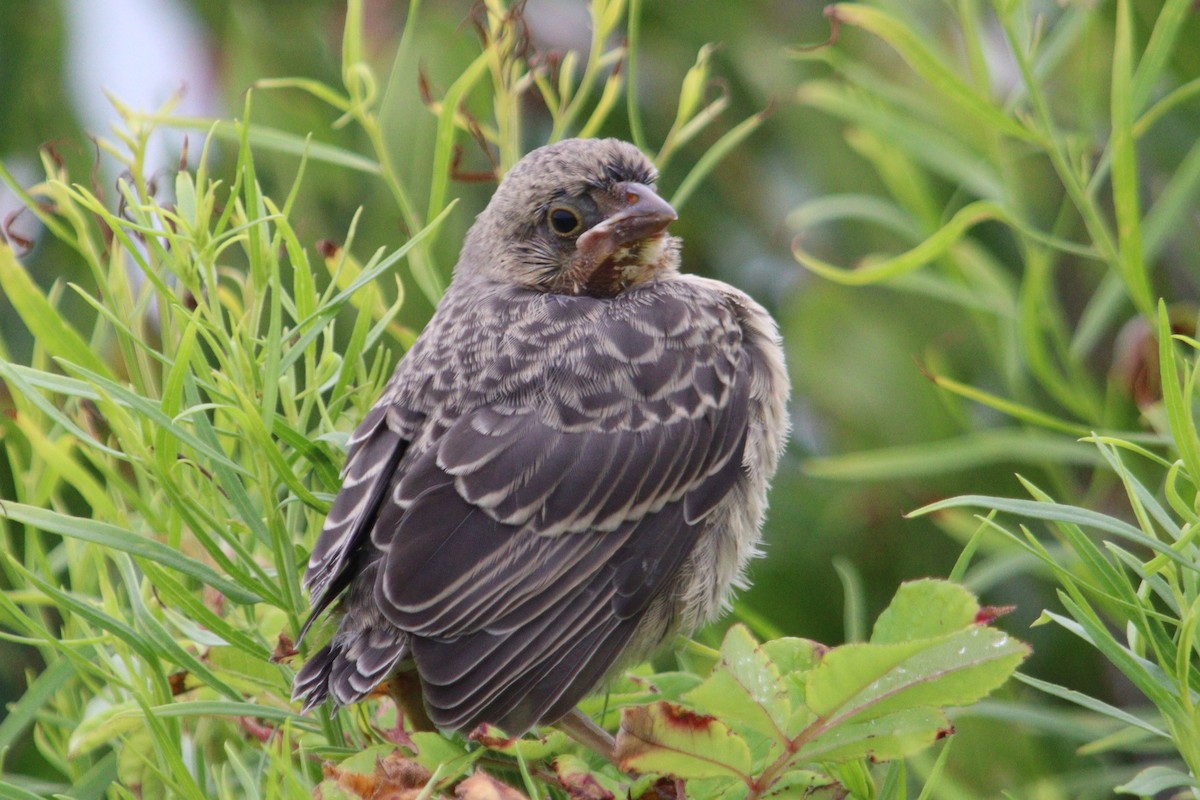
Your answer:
<point x="641" y="215"/>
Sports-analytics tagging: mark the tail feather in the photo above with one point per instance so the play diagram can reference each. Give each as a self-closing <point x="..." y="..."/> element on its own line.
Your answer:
<point x="350" y="667"/>
<point x="312" y="681"/>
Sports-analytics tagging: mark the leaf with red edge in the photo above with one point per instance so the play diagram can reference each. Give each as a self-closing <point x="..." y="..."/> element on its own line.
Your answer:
<point x="580" y="782"/>
<point x="378" y="772"/>
<point x="665" y="738"/>
<point x="528" y="747"/>
<point x="482" y="786"/>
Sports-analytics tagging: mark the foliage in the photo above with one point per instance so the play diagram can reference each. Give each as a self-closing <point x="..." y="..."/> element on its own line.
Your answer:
<point x="1126" y="573"/>
<point x="793" y="716"/>
<point x="785" y="718"/>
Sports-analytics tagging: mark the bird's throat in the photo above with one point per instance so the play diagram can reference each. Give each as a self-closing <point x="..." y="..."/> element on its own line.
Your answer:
<point x="628" y="266"/>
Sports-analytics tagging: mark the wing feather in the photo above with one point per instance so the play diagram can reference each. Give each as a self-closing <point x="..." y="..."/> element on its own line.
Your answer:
<point x="375" y="454"/>
<point x="490" y="675"/>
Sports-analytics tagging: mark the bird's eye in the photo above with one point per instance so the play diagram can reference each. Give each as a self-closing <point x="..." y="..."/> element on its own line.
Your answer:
<point x="564" y="221"/>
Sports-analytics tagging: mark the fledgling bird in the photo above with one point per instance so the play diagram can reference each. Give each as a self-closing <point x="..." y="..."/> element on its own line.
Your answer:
<point x="569" y="467"/>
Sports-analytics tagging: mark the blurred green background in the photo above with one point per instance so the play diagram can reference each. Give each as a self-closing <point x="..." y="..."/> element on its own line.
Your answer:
<point x="858" y="355"/>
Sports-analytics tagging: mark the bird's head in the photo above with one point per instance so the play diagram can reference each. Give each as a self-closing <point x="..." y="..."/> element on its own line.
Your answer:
<point x="577" y="217"/>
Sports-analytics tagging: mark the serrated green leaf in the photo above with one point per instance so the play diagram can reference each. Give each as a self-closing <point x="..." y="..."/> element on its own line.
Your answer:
<point x="671" y="685"/>
<point x="896" y="735"/>
<point x="792" y="654"/>
<point x="745" y="688"/>
<point x="925" y="609"/>
<point x="857" y="682"/>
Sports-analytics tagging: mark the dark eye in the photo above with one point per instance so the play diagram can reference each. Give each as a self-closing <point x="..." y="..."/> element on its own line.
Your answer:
<point x="564" y="221"/>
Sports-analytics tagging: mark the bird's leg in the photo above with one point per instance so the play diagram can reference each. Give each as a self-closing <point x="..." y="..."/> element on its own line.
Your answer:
<point x="405" y="690"/>
<point x="582" y="729"/>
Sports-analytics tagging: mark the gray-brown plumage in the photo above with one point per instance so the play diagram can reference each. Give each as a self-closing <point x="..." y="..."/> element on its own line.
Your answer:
<point x="569" y="467"/>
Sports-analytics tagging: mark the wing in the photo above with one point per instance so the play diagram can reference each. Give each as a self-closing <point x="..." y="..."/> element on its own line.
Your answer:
<point x="525" y="548"/>
<point x="375" y="451"/>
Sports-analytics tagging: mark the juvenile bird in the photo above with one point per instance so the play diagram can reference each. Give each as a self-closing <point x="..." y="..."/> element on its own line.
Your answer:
<point x="569" y="467"/>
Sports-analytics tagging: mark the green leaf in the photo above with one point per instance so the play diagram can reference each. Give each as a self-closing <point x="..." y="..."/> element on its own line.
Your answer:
<point x="126" y="541"/>
<point x="48" y="327"/>
<point x="152" y="411"/>
<point x="173" y="593"/>
<point x="1177" y="397"/>
<point x="249" y="670"/>
<point x="10" y="791"/>
<point x="875" y="269"/>
<point x="912" y="48"/>
<point x="1057" y="512"/>
<point x="1155" y="58"/>
<point x="894" y="735"/>
<point x="794" y="658"/>
<point x="104" y="726"/>
<point x="436" y="750"/>
<point x="262" y="136"/>
<point x="798" y="784"/>
<point x="791" y="654"/>
<point x="583" y="783"/>
<point x="745" y="688"/>
<point x="449" y="122"/>
<point x="23" y="713"/>
<point x="220" y="708"/>
<point x="968" y="451"/>
<point x="668" y="739"/>
<point x="1092" y="704"/>
<point x="939" y="152"/>
<point x="1126" y="202"/>
<point x="529" y="748"/>
<point x="863" y="681"/>
<point x="713" y="156"/>
<point x="24" y="380"/>
<point x="1151" y="781"/>
<point x="924" y="609"/>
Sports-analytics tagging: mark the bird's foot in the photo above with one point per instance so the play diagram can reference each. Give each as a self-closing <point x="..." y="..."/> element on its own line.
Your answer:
<point x="399" y="735"/>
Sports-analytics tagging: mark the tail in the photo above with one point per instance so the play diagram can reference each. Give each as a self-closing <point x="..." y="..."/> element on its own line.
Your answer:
<point x="312" y="681"/>
<point x="362" y="654"/>
<point x="348" y="668"/>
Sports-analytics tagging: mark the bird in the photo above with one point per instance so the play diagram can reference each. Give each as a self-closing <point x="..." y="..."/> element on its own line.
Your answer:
<point x="568" y="468"/>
